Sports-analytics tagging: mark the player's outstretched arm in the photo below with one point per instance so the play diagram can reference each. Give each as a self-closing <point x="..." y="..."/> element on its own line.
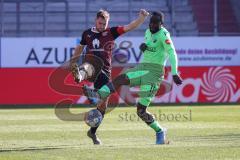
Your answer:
<point x="137" y="22"/>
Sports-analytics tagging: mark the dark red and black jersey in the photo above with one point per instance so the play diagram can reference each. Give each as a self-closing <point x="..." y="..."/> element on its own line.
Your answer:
<point x="101" y="44"/>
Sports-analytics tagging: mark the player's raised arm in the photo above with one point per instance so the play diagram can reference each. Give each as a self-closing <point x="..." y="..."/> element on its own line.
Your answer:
<point x="137" y="22"/>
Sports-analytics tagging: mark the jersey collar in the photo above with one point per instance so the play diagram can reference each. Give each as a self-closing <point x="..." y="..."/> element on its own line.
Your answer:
<point x="93" y="29"/>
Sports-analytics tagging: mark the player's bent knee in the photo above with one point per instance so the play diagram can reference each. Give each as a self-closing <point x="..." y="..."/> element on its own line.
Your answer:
<point x="144" y="114"/>
<point x="122" y="80"/>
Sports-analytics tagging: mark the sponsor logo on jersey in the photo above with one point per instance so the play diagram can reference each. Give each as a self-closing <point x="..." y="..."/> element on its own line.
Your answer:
<point x="96" y="43"/>
<point x="152" y="49"/>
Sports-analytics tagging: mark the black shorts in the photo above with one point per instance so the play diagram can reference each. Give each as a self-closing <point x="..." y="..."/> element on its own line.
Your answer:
<point x="102" y="79"/>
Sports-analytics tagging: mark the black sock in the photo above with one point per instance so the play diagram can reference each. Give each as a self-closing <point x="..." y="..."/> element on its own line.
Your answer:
<point x="93" y="129"/>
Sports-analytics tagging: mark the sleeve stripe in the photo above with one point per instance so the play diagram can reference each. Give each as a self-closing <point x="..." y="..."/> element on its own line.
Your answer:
<point x="167" y="41"/>
<point x="120" y="30"/>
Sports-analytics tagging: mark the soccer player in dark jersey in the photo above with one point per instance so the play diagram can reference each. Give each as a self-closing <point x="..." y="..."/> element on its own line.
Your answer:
<point x="97" y="65"/>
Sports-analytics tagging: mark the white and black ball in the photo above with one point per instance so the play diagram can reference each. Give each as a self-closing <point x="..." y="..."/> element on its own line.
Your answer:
<point x="93" y="118"/>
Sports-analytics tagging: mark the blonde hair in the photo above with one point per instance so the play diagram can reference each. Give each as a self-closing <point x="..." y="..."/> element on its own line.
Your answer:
<point x="103" y="14"/>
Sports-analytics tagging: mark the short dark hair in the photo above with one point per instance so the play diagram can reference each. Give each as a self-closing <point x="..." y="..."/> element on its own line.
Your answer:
<point x="160" y="15"/>
<point x="103" y="14"/>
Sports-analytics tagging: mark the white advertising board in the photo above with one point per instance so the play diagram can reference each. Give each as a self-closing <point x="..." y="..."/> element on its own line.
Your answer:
<point x="52" y="52"/>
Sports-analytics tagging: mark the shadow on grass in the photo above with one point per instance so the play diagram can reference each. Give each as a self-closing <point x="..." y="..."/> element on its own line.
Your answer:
<point x="219" y="138"/>
<point x="42" y="148"/>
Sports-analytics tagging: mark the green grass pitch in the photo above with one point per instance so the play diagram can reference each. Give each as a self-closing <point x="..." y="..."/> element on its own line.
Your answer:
<point x="195" y="133"/>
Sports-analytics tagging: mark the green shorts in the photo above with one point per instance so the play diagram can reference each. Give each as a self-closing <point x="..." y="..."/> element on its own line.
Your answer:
<point x="148" y="77"/>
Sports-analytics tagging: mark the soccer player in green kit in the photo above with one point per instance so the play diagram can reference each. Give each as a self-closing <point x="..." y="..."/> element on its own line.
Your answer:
<point x="148" y="74"/>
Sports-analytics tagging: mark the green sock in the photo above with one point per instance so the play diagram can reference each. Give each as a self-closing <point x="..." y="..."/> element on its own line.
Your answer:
<point x="156" y="126"/>
<point x="104" y="91"/>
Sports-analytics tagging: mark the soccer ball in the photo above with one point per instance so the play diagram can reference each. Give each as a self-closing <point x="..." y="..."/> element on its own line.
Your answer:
<point x="93" y="118"/>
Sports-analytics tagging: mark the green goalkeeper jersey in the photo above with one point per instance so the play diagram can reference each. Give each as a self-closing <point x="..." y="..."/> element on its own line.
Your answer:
<point x="159" y="49"/>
